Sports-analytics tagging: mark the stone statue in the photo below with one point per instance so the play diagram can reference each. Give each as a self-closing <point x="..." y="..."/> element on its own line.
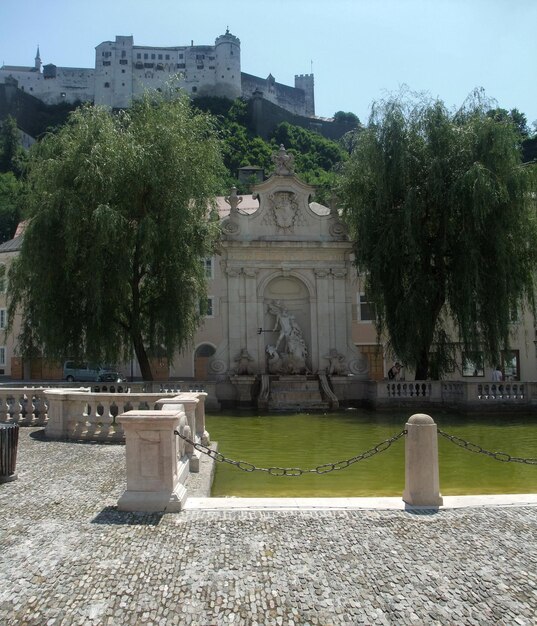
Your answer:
<point x="244" y="360"/>
<point x="285" y="163"/>
<point x="233" y="200"/>
<point x="292" y="347"/>
<point x="336" y="364"/>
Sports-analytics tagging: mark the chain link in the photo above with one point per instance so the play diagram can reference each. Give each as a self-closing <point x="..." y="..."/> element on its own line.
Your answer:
<point x="474" y="447"/>
<point x="325" y="468"/>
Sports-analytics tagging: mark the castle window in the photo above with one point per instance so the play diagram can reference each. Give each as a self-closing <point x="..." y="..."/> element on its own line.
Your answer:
<point x="180" y="66"/>
<point x="123" y="62"/>
<point x="3" y="318"/>
<point x="107" y="85"/>
<point x="139" y="55"/>
<point x="211" y="58"/>
<point x="122" y="71"/>
<point x="106" y="62"/>
<point x="160" y="57"/>
<point x="149" y="64"/>
<point x="139" y="65"/>
<point x="199" y="67"/>
<point x="123" y="84"/>
<point x="146" y="56"/>
<point x="194" y="89"/>
<point x="123" y="53"/>
<point x="152" y="56"/>
<point x="160" y="66"/>
<point x="167" y="57"/>
<point x="181" y="56"/>
<point x="211" y="67"/>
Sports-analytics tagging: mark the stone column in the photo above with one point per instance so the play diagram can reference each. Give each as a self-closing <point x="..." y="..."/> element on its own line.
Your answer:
<point x="342" y="328"/>
<point x="157" y="464"/>
<point x="251" y="321"/>
<point x="235" y="321"/>
<point x="422" y="483"/>
<point x="324" y="319"/>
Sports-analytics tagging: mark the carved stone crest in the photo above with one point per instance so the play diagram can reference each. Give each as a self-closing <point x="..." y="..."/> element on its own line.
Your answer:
<point x="284" y="208"/>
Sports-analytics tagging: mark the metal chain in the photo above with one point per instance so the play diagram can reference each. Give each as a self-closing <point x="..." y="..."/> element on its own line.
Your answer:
<point x="325" y="468"/>
<point x="474" y="447"/>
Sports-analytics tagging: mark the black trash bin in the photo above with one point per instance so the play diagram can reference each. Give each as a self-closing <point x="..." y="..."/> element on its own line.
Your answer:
<point x="9" y="439"/>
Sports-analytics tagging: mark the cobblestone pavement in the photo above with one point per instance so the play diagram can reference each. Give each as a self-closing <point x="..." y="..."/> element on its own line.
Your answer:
<point x="67" y="556"/>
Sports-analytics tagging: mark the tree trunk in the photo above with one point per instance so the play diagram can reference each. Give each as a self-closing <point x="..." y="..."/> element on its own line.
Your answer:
<point x="141" y="355"/>
<point x="422" y="366"/>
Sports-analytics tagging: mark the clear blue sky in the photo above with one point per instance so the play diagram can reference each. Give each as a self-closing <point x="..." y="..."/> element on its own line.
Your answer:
<point x="360" y="49"/>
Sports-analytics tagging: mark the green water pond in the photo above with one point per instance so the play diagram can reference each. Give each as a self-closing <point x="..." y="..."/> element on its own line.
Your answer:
<point x="309" y="440"/>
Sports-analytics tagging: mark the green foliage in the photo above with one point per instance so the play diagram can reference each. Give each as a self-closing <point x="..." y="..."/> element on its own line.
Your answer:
<point x="445" y="228"/>
<point x="12" y="155"/>
<point x="10" y="201"/>
<point x="342" y="117"/>
<point x="112" y="257"/>
<point x="514" y="116"/>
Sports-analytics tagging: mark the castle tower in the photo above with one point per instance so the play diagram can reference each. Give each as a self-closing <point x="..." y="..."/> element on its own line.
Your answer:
<point x="228" y="66"/>
<point x="37" y="62"/>
<point x="305" y="82"/>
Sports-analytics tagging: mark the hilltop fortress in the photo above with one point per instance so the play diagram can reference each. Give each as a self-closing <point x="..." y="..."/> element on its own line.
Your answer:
<point x="123" y="71"/>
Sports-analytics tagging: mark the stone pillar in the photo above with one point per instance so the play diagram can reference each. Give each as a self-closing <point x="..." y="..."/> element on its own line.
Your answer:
<point x="157" y="464"/>
<point x="324" y="320"/>
<point x="235" y="317"/>
<point x="251" y="321"/>
<point x="422" y="483"/>
<point x="63" y="406"/>
<point x="341" y="326"/>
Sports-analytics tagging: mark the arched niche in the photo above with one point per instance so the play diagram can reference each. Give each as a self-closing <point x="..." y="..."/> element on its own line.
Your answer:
<point x="294" y="295"/>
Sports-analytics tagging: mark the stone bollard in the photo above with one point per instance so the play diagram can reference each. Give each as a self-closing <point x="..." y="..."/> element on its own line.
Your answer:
<point x="157" y="465"/>
<point x="422" y="484"/>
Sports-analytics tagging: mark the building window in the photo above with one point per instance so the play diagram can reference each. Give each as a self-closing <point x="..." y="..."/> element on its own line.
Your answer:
<point x="366" y="309"/>
<point x="2" y="355"/>
<point x="209" y="267"/>
<point x="3" y="287"/>
<point x="160" y="57"/>
<point x="510" y="364"/>
<point x="180" y="66"/>
<point x="106" y="62"/>
<point x="199" y="67"/>
<point x="146" y="56"/>
<point x="167" y="57"/>
<point x="152" y="56"/>
<point x="139" y="55"/>
<point x="107" y="85"/>
<point x="123" y="54"/>
<point x="194" y="89"/>
<point x="123" y="62"/>
<point x="472" y="364"/>
<point x="209" y="307"/>
<point x="3" y="318"/>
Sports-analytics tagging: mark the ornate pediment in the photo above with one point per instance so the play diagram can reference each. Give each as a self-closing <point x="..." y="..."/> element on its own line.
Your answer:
<point x="284" y="210"/>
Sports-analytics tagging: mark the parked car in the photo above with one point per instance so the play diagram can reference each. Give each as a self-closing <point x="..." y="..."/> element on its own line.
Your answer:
<point x="90" y="372"/>
<point x="112" y="376"/>
<point x="80" y="370"/>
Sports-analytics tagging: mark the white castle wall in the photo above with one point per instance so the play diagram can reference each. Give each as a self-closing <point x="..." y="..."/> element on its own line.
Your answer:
<point x="123" y="71"/>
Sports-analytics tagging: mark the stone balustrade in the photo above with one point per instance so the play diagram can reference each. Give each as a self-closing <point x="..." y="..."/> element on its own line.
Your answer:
<point x="25" y="406"/>
<point x="84" y="415"/>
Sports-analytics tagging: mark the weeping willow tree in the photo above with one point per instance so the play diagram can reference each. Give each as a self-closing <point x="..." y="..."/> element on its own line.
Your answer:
<point x="118" y="229"/>
<point x="443" y="217"/>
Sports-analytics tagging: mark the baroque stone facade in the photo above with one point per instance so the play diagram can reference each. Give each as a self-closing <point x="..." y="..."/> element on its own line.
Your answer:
<point x="286" y="293"/>
<point x="124" y="71"/>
